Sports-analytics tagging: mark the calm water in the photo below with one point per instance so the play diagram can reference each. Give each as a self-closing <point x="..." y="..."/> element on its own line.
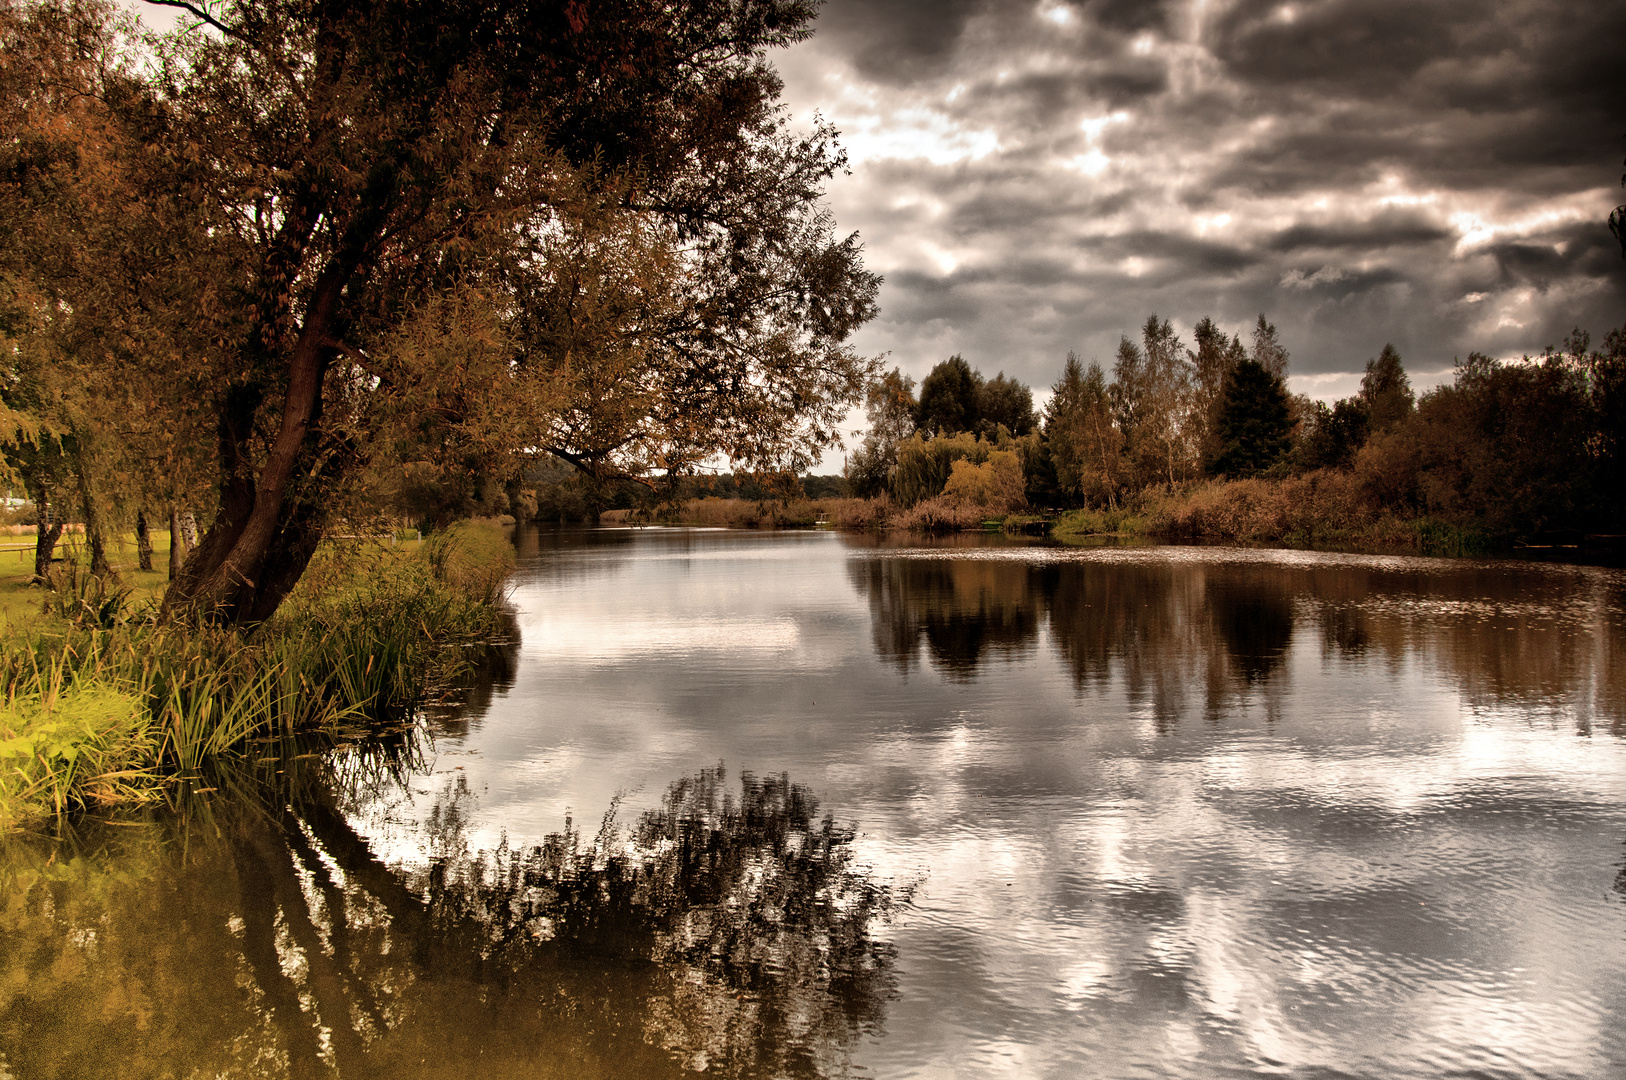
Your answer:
<point x="802" y="804"/>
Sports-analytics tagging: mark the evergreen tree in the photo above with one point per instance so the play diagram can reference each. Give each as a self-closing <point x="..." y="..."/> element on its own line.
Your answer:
<point x="1254" y="426"/>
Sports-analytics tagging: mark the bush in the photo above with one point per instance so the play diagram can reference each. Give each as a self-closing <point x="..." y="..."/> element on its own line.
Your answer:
<point x="945" y="513"/>
<point x="997" y="484"/>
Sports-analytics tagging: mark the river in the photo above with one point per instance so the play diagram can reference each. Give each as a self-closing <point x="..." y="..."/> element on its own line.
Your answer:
<point x="810" y="804"/>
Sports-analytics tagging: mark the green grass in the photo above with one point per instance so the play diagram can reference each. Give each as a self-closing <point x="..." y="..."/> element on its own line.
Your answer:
<point x="1082" y="524"/>
<point x="101" y="703"/>
<point x="21" y="602"/>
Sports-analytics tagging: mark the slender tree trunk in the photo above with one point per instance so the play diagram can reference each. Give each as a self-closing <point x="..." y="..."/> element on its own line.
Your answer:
<point x="47" y="533"/>
<point x="143" y="541"/>
<point x="95" y="538"/>
<point x="177" y="543"/>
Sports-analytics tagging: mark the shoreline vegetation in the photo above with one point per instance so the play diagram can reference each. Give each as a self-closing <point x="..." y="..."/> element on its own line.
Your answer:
<point x="1207" y="445"/>
<point x="101" y="703"/>
<point x="1298" y="512"/>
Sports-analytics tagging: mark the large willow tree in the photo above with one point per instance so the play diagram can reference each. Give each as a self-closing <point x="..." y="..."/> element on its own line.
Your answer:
<point x="400" y="230"/>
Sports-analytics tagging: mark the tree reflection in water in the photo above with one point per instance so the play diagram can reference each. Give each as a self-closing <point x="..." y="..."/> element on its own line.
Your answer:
<point x="723" y="933"/>
<point x="1219" y="627"/>
<point x="963" y="609"/>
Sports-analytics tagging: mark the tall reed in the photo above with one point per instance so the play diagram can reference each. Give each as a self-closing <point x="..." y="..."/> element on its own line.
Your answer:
<point x="105" y="711"/>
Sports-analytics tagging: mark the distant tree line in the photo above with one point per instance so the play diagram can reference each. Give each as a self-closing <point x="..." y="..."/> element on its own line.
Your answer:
<point x="1509" y="448"/>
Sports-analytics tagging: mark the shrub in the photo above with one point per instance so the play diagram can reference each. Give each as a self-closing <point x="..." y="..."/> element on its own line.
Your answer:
<point x="945" y="513"/>
<point x="67" y="742"/>
<point x="997" y="484"/>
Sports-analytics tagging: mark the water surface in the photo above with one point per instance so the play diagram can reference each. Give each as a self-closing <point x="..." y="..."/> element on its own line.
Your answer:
<point x="806" y="804"/>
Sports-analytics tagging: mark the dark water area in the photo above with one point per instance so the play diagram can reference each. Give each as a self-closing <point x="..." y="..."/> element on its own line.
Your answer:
<point x="811" y="805"/>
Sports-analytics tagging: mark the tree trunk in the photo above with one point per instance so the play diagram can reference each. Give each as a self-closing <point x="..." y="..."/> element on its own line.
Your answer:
<point x="95" y="538"/>
<point x="268" y="526"/>
<point x="143" y="542"/>
<point x="177" y="543"/>
<point x="47" y="533"/>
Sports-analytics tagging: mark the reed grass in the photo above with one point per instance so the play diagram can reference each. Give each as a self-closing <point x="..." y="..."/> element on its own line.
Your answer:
<point x="113" y="707"/>
<point x="943" y="513"/>
<point x="75" y="740"/>
<point x="745" y="513"/>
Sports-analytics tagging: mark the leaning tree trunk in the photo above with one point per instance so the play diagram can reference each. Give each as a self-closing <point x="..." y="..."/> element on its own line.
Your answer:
<point x="269" y="521"/>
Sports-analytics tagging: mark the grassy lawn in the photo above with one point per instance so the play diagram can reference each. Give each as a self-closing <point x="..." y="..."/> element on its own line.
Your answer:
<point x="20" y="602"/>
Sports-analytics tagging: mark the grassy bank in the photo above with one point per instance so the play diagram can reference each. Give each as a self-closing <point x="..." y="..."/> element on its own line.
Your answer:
<point x="102" y="710"/>
<point x="760" y="514"/>
<point x="1322" y="509"/>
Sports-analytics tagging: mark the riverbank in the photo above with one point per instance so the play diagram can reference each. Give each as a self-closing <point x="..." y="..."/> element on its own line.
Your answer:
<point x="1324" y="509"/>
<point x="1319" y="510"/>
<point x="100" y="703"/>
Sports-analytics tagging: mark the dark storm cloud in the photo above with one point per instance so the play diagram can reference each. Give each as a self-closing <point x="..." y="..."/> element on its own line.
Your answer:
<point x="1035" y="177"/>
<point x="1375" y="234"/>
<point x="898" y="42"/>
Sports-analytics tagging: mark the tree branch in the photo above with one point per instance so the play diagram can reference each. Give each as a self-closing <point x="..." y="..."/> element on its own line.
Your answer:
<point x="200" y="13"/>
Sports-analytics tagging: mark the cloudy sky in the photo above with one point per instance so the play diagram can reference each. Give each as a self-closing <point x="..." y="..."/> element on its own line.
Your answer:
<point x="1034" y="176"/>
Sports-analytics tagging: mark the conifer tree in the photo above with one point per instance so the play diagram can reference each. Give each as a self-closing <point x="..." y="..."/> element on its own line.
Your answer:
<point x="1254" y="426"/>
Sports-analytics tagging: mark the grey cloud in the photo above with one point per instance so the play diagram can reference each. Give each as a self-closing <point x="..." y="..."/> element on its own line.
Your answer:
<point x="1285" y="131"/>
<point x="1129" y="16"/>
<point x="1383" y="231"/>
<point x="898" y="41"/>
<point x="1127" y="83"/>
<point x="1340" y="285"/>
<point x="1355" y="45"/>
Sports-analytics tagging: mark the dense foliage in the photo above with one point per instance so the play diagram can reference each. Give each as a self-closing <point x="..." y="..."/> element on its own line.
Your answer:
<point x="295" y="261"/>
<point x="1507" y="451"/>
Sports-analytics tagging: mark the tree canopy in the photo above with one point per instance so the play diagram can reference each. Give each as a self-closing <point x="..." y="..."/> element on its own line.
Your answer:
<point x="362" y="238"/>
<point x="1385" y="390"/>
